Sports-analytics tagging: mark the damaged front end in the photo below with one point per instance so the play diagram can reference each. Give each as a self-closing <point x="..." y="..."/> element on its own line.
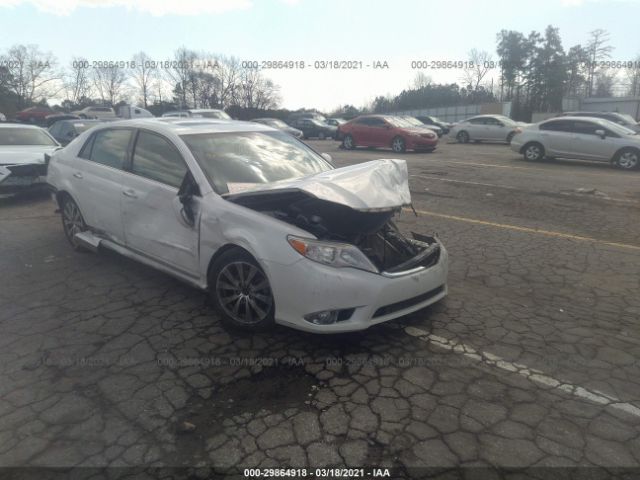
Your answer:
<point x="351" y="206"/>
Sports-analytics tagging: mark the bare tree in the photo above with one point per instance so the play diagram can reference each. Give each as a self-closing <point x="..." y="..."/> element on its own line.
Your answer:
<point x="108" y="82"/>
<point x="598" y="49"/>
<point x="474" y="75"/>
<point x="632" y="78"/>
<point x="181" y="74"/>
<point x="31" y="73"/>
<point x="420" y="81"/>
<point x="77" y="81"/>
<point x="143" y="76"/>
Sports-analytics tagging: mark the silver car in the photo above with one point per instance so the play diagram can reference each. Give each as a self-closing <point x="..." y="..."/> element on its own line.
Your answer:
<point x="255" y="217"/>
<point x="492" y="128"/>
<point x="582" y="138"/>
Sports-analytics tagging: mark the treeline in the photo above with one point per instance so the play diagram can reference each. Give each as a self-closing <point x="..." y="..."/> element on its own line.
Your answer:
<point x="190" y="79"/>
<point x="532" y="71"/>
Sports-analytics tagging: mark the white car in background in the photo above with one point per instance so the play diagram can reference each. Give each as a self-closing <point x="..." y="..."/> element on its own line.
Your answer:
<point x="581" y="138"/>
<point x="493" y="128"/>
<point x="24" y="151"/>
<point x="100" y="113"/>
<point x="254" y="216"/>
<point x="3" y="118"/>
<point x="199" y="113"/>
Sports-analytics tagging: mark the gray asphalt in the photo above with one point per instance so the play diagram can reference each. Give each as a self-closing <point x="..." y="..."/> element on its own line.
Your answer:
<point x="531" y="361"/>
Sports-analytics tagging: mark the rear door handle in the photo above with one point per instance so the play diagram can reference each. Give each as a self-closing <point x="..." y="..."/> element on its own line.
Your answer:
<point x="77" y="175"/>
<point x="129" y="193"/>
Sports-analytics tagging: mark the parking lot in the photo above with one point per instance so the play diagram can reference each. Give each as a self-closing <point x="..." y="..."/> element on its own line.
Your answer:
<point x="531" y="360"/>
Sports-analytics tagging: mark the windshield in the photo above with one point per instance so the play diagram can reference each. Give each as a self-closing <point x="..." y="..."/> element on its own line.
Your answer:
<point x="619" y="129"/>
<point x="237" y="161"/>
<point x="629" y="120"/>
<point x="214" y="114"/>
<point x="398" y="122"/>
<point x="25" y="136"/>
<point x="277" y="123"/>
<point x="81" y="127"/>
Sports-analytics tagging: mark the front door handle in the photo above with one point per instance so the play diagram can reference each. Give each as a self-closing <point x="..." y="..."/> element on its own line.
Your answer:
<point x="129" y="193"/>
<point x="77" y="175"/>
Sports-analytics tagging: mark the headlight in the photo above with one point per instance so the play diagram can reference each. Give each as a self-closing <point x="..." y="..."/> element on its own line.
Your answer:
<point x="334" y="254"/>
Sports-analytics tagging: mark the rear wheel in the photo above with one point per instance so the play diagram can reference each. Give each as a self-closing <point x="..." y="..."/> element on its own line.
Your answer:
<point x="241" y="291"/>
<point x="348" y="143"/>
<point x="463" y="137"/>
<point x="627" y="159"/>
<point x="533" y="152"/>
<point x="398" y="145"/>
<point x="72" y="222"/>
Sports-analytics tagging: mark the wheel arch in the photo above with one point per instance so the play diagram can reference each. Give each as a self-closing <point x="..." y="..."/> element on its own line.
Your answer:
<point x="531" y="142"/>
<point x="622" y="149"/>
<point x="222" y="250"/>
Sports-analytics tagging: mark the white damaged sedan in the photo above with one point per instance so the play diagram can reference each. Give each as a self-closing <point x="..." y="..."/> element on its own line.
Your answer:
<point x="261" y="221"/>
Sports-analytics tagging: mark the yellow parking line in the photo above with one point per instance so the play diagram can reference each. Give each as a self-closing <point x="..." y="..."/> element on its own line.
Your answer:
<point x="516" y="228"/>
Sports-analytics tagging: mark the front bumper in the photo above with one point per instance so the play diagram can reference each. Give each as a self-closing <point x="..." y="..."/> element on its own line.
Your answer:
<point x="422" y="143"/>
<point x="306" y="287"/>
<point x="14" y="178"/>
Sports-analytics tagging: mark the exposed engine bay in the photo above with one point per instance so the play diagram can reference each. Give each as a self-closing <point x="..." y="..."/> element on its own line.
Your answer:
<point x="373" y="232"/>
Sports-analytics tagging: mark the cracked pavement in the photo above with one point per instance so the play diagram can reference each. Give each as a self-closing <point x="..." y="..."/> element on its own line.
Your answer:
<point x="531" y="361"/>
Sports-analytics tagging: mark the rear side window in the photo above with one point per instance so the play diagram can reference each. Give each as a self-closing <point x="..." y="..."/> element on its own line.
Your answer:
<point x="157" y="159"/>
<point x="110" y="147"/>
<point x="587" y="128"/>
<point x="558" y="126"/>
<point x="477" y="121"/>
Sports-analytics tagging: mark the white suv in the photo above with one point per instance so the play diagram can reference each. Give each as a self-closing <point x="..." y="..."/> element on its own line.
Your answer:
<point x="101" y="113"/>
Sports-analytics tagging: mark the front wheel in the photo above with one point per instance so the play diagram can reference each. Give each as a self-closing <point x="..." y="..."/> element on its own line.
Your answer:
<point x="72" y="222"/>
<point x="627" y="159"/>
<point x="533" y="152"/>
<point x="348" y="143"/>
<point x="510" y="137"/>
<point x="241" y="291"/>
<point x="463" y="137"/>
<point x="398" y="145"/>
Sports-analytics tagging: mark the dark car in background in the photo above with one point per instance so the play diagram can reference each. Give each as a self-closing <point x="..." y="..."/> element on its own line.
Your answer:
<point x="435" y="121"/>
<point x="56" y="117"/>
<point x="280" y="125"/>
<point x="615" y="117"/>
<point x="312" y="128"/>
<point x="386" y="131"/>
<point x="64" y="131"/>
<point x="33" y="114"/>
<point x="417" y="123"/>
<point x="336" y="122"/>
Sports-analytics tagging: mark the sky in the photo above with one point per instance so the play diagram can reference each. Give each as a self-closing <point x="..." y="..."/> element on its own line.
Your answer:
<point x="397" y="32"/>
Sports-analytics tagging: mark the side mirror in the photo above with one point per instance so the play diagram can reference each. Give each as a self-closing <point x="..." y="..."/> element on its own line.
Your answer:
<point x="327" y="157"/>
<point x="601" y="134"/>
<point x="187" y="191"/>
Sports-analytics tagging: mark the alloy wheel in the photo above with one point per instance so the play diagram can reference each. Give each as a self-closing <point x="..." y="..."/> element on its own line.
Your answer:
<point x="244" y="293"/>
<point x="628" y="160"/>
<point x="397" y="145"/>
<point x="348" y="142"/>
<point x="533" y="152"/>
<point x="72" y="221"/>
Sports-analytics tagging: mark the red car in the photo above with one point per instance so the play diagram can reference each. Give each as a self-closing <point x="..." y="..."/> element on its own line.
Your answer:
<point x="33" y="114"/>
<point x="386" y="131"/>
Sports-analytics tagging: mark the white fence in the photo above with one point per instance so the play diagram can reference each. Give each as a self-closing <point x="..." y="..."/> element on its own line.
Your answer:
<point x="460" y="112"/>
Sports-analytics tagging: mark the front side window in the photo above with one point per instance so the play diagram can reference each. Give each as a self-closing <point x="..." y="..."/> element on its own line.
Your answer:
<point x="477" y="121"/>
<point x="110" y="147"/>
<point x="237" y="160"/>
<point x="157" y="159"/>
<point x="557" y="126"/>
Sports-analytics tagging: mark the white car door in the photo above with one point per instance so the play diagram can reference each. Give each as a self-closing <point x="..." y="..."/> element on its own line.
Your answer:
<point x="494" y="129"/>
<point x="587" y="144"/>
<point x="97" y="176"/>
<point x="557" y="137"/>
<point x="475" y="127"/>
<point x="155" y="223"/>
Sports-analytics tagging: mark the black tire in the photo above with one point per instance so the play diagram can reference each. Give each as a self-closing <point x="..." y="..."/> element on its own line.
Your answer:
<point x="398" y="145"/>
<point x="627" y="159"/>
<point x="510" y="137"/>
<point x="241" y="292"/>
<point x="463" y="137"/>
<point x="533" y="152"/>
<point x="348" y="143"/>
<point x="72" y="221"/>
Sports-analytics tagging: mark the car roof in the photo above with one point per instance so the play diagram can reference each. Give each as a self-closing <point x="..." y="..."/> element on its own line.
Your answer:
<point x="187" y="126"/>
<point x="600" y="121"/>
<point x="198" y="110"/>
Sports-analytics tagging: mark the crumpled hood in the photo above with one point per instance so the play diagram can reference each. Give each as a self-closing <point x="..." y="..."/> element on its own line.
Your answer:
<point x="375" y="185"/>
<point x="22" y="155"/>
